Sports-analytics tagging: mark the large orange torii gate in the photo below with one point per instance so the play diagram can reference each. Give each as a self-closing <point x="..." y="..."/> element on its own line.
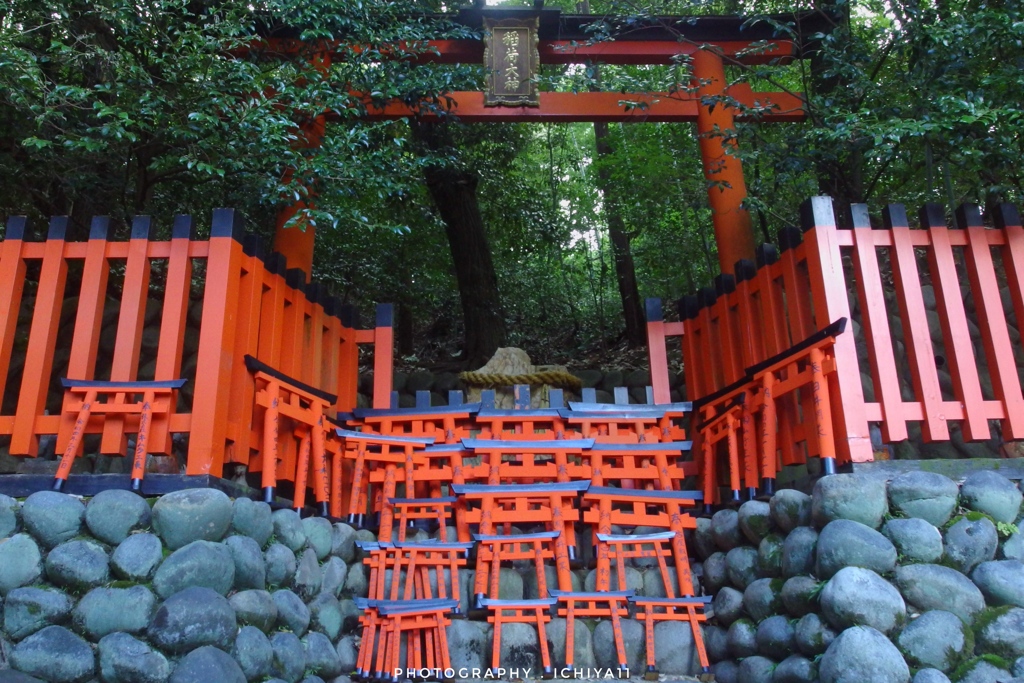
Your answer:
<point x="711" y="43"/>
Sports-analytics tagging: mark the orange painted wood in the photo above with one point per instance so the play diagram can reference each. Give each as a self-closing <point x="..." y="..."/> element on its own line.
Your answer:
<point x="216" y="343"/>
<point x="828" y="291"/>
<point x="1008" y="221"/>
<point x="752" y="331"/>
<point x="317" y="340"/>
<point x="243" y="387"/>
<point x="42" y="339"/>
<point x="963" y="365"/>
<point x="88" y="319"/>
<point x="608" y="107"/>
<point x="657" y="353"/>
<point x="714" y="373"/>
<point x="915" y="329"/>
<point x="383" y="357"/>
<point x="272" y="319"/>
<point x="692" y="362"/>
<point x="12" y="285"/>
<point x="992" y="320"/>
<point x="173" y="320"/>
<point x="130" y="322"/>
<point x="798" y="310"/>
<point x="729" y="341"/>
<point x="875" y="327"/>
<point x="776" y="338"/>
<point x="348" y="369"/>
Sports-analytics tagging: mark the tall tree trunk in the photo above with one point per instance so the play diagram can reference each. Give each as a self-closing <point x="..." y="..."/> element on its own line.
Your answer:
<point x="625" y="270"/>
<point x="454" y="193"/>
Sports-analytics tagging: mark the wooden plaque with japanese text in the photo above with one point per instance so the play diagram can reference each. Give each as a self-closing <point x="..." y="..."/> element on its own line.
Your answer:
<point x="512" y="60"/>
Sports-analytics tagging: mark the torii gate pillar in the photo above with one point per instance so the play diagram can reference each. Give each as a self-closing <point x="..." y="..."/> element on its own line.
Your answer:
<point x="723" y="171"/>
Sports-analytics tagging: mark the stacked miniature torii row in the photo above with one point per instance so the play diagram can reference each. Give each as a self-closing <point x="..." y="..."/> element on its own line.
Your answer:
<point x="518" y="485"/>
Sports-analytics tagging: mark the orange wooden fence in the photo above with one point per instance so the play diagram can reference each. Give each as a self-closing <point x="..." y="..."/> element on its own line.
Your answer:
<point x="821" y="273"/>
<point x="250" y="305"/>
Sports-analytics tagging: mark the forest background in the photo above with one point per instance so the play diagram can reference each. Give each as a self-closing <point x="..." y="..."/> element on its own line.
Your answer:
<point x="542" y="236"/>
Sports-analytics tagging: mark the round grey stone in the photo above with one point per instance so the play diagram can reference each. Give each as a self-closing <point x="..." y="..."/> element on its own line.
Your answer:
<point x="716" y="572"/>
<point x="12" y="676"/>
<point x="280" y="565"/>
<point x="1018" y="667"/>
<point x="849" y="496"/>
<point x="318" y="535"/>
<point x="769" y="555"/>
<point x="936" y="639"/>
<point x="27" y="610"/>
<point x="763" y="598"/>
<point x="979" y="670"/>
<point x="321" y="657"/>
<point x="255" y="608"/>
<point x="605" y="656"/>
<point x="250" y="567"/>
<point x="348" y="653"/>
<point x="716" y="642"/>
<point x="343" y="542"/>
<point x="20" y="562"/>
<point x="992" y="493"/>
<point x="308" y="577"/>
<point x="78" y="565"/>
<point x="251" y="518"/>
<point x="634" y="582"/>
<point x="54" y="654"/>
<point x="334" y="571"/>
<point x="193" y="618"/>
<point x="703" y="541"/>
<point x="1001" y="581"/>
<point x="930" y="676"/>
<point x="775" y="637"/>
<point x="757" y="669"/>
<point x="969" y="543"/>
<point x="1003" y="635"/>
<point x="325" y="615"/>
<point x="357" y="583"/>
<point x="845" y="543"/>
<point x="799" y="551"/>
<point x="725" y="529"/>
<point x="200" y="563"/>
<point x="795" y="669"/>
<point x="105" y="610"/>
<point x="862" y="654"/>
<point x="467" y="645"/>
<point x="790" y="508"/>
<point x="113" y="514"/>
<point x="860" y="597"/>
<point x="253" y="653"/>
<point x="742" y="638"/>
<point x="812" y="635"/>
<point x="728" y="605"/>
<point x="52" y="517"/>
<point x="727" y="671"/>
<point x="925" y="495"/>
<point x="916" y="540"/>
<point x="292" y="613"/>
<point x="1013" y="547"/>
<point x="932" y="586"/>
<point x="207" y="664"/>
<point x="137" y="557"/>
<point x="755" y="521"/>
<point x="289" y="656"/>
<point x="674" y="651"/>
<point x="288" y="529"/>
<point x="181" y="517"/>
<point x="124" y="659"/>
<point x="10" y="516"/>
<point x="800" y="595"/>
<point x="741" y="566"/>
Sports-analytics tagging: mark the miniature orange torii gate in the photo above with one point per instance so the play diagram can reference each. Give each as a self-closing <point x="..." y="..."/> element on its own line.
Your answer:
<point x="710" y="43"/>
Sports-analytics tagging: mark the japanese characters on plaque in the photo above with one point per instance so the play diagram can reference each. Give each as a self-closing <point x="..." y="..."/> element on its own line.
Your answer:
<point x="511" y="60"/>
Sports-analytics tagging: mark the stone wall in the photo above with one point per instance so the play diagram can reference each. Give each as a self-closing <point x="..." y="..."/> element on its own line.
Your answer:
<point x="865" y="581"/>
<point x="200" y="588"/>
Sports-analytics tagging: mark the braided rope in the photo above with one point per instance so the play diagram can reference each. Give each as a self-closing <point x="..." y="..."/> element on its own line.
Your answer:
<point x="555" y="378"/>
